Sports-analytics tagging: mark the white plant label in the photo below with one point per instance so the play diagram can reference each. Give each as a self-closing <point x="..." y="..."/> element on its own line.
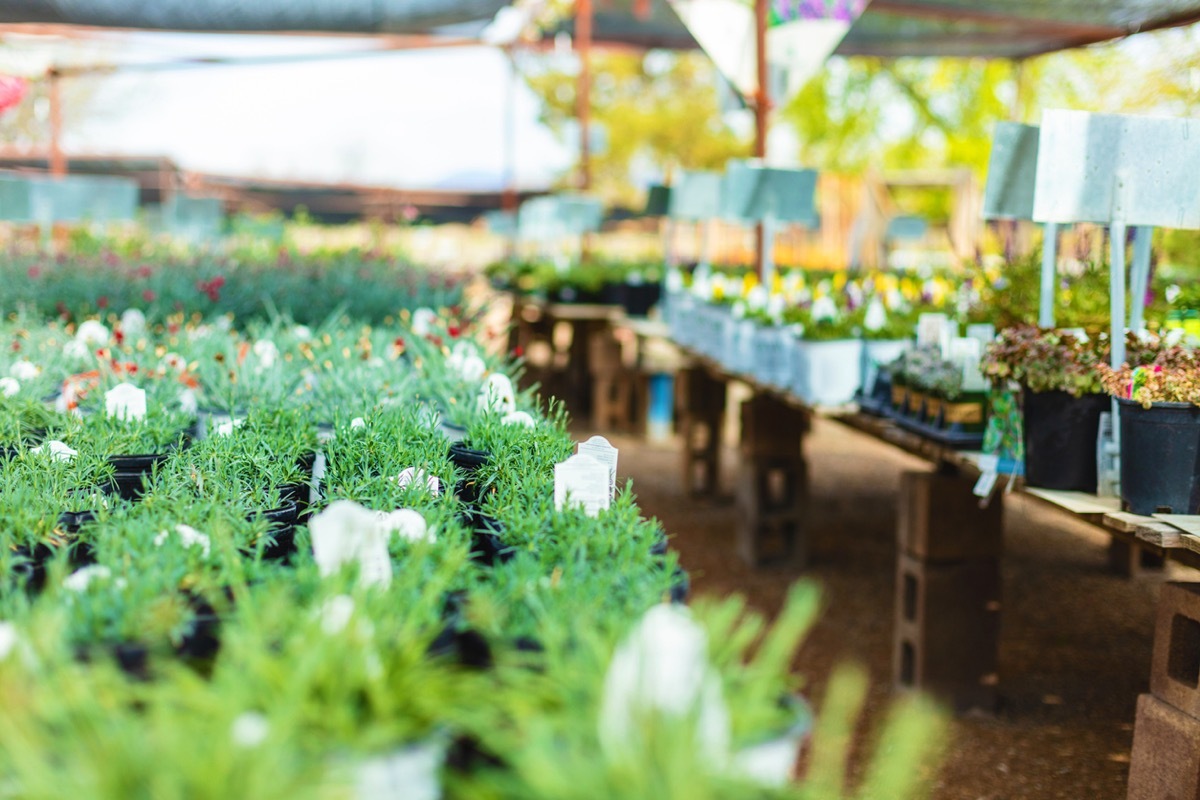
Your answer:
<point x="346" y="532"/>
<point x="989" y="468"/>
<point x="929" y="329"/>
<point x="125" y="402"/>
<point x="600" y="449"/>
<point x="411" y="475"/>
<point x="582" y="480"/>
<point x="410" y="774"/>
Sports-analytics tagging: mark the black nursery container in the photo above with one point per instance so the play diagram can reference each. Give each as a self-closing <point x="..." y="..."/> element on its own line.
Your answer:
<point x="1060" y="439"/>
<point x="1160" y="458"/>
<point x="131" y="472"/>
<point x="470" y="462"/>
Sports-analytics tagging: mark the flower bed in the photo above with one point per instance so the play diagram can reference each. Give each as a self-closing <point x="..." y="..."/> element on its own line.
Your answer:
<point x="250" y="562"/>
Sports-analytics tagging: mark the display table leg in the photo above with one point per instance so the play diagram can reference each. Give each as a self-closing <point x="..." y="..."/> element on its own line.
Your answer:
<point x="700" y="399"/>
<point x="772" y="483"/>
<point x="947" y="612"/>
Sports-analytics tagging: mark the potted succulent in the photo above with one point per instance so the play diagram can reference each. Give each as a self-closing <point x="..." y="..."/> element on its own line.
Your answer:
<point x="1159" y="409"/>
<point x="1062" y="400"/>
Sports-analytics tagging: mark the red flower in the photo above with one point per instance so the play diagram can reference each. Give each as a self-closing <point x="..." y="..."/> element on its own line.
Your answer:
<point x="144" y="271"/>
<point x="119" y="336"/>
<point x="102" y="302"/>
<point x="148" y="295"/>
<point x="16" y="345"/>
<point x="34" y="271"/>
<point x="518" y="351"/>
<point x="454" y="331"/>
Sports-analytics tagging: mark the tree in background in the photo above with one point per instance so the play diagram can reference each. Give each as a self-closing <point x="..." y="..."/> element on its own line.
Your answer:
<point x="659" y="113"/>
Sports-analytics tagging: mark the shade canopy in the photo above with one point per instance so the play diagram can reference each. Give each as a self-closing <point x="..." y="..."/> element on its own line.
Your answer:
<point x="967" y="28"/>
<point x="343" y="16"/>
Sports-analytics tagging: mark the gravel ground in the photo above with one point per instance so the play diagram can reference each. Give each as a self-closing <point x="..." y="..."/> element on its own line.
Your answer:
<point x="1075" y="639"/>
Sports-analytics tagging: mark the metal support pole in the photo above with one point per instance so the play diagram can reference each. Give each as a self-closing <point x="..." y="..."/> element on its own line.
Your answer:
<point x="583" y="97"/>
<point x="1049" y="275"/>
<point x="1139" y="282"/>
<point x="1116" y="292"/>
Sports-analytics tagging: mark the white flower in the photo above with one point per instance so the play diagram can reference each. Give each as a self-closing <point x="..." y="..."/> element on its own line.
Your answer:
<point x="823" y="308"/>
<point x="1172" y="292"/>
<point x="422" y="321"/>
<point x="173" y="361"/>
<point x="228" y="426"/>
<point x="125" y="402"/>
<point x="876" y="316"/>
<point x="357" y="422"/>
<point x="756" y="298"/>
<point x="9" y="386"/>
<point x="410" y="475"/>
<point x="250" y="729"/>
<point x="663" y="666"/>
<point x="518" y="418"/>
<point x="8" y="639"/>
<point x="266" y="352"/>
<point x="189" y="537"/>
<point x="335" y="614"/>
<point x="188" y="402"/>
<point x="302" y="332"/>
<point x="466" y="362"/>
<point x="24" y="370"/>
<point x="91" y="333"/>
<point x="56" y="450"/>
<point x="133" y="322"/>
<point x="80" y="579"/>
<point x="76" y="349"/>
<point x="497" y="395"/>
<point x="223" y="323"/>
<point x="405" y="523"/>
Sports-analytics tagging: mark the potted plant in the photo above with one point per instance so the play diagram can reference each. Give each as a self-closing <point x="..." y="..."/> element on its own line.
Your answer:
<point x="1159" y="410"/>
<point x="827" y="354"/>
<point x="1062" y="400"/>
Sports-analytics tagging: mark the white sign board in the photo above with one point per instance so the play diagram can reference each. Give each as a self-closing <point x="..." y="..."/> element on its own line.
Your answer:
<point x="1107" y="167"/>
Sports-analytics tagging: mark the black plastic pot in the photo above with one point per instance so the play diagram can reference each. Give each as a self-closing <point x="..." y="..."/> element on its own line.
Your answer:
<point x="130" y="473"/>
<point x="1060" y="439"/>
<point x="487" y="540"/>
<point x="470" y="462"/>
<point x="282" y="523"/>
<point x="1160" y="458"/>
<point x="614" y="294"/>
<point x="134" y="660"/>
<point x="641" y="297"/>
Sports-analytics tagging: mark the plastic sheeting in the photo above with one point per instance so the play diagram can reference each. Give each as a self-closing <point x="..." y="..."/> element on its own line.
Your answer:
<point x="335" y="16"/>
<point x="993" y="28"/>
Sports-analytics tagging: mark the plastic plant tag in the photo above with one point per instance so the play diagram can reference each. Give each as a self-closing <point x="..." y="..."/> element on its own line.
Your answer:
<point x="600" y="449"/>
<point x="662" y="668"/>
<point x="989" y="471"/>
<point x="81" y="579"/>
<point x="406" y="524"/>
<point x="410" y="475"/>
<point x="345" y="532"/>
<point x="876" y="316"/>
<point x="125" y="402"/>
<point x="984" y="332"/>
<point x="249" y="729"/>
<point x="56" y="450"/>
<point x="409" y="774"/>
<point x="582" y="480"/>
<point x="227" y="426"/>
<point x="929" y="329"/>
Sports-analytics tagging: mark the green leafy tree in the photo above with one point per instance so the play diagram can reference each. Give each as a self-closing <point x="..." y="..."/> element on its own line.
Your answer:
<point x="661" y="111"/>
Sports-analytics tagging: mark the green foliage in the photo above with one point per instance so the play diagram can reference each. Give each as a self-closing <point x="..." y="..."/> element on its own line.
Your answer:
<point x="668" y="117"/>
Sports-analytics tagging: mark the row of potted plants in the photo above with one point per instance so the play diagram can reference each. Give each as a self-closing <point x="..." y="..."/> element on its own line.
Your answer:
<point x="293" y="561"/>
<point x="633" y="285"/>
<point x="249" y="285"/>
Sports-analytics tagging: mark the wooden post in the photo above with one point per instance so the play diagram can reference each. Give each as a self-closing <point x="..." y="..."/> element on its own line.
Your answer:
<point x="762" y="119"/>
<point x="58" y="162"/>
